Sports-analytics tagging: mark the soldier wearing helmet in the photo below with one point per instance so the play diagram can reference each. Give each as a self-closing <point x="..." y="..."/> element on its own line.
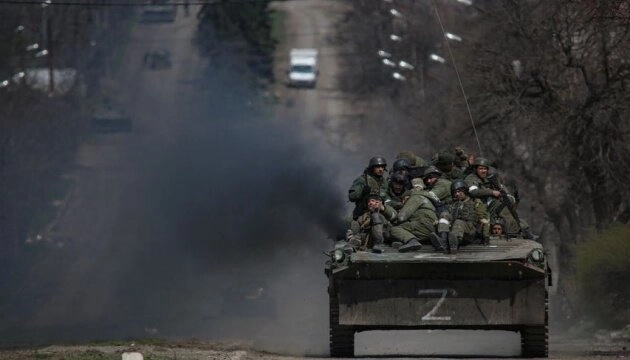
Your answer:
<point x="416" y="164"/>
<point x="444" y="161"/>
<point x="372" y="228"/>
<point x="437" y="184"/>
<point x="486" y="185"/>
<point x="398" y="185"/>
<point x="466" y="220"/>
<point x="401" y="166"/>
<point x="415" y="221"/>
<point x="372" y="181"/>
<point x="478" y="183"/>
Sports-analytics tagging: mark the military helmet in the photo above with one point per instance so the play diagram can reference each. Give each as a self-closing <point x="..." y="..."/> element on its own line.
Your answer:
<point x="401" y="164"/>
<point x="398" y="178"/>
<point x="409" y="156"/>
<point x="444" y="158"/>
<point x="377" y="161"/>
<point x="480" y="161"/>
<point x="459" y="184"/>
<point x="431" y="170"/>
<point x="375" y="196"/>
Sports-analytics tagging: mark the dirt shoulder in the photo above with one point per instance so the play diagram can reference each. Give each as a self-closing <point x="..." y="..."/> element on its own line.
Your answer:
<point x="170" y="350"/>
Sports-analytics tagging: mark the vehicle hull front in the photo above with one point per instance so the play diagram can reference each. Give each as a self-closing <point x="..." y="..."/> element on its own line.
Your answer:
<point x="435" y="304"/>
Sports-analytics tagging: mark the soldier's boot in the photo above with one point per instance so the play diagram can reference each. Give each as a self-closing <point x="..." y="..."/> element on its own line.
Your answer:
<point x="355" y="241"/>
<point x="411" y="245"/>
<point x="438" y="243"/>
<point x="453" y="242"/>
<point x="378" y="248"/>
<point x="396" y="244"/>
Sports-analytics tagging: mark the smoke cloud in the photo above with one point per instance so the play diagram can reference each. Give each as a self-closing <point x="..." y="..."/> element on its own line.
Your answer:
<point x="212" y="227"/>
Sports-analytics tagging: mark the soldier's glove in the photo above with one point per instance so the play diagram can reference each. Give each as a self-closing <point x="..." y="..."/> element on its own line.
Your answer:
<point x="366" y="190"/>
<point x="395" y="204"/>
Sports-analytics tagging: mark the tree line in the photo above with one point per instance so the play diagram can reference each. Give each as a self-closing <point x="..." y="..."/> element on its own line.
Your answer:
<point x="546" y="83"/>
<point x="39" y="133"/>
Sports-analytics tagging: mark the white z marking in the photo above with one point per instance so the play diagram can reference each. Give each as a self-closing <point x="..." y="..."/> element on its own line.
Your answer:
<point x="431" y="314"/>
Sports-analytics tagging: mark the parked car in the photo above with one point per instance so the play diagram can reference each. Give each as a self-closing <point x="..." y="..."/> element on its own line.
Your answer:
<point x="158" y="11"/>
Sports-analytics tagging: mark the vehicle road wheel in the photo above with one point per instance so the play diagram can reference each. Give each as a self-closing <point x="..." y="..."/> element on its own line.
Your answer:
<point x="341" y="337"/>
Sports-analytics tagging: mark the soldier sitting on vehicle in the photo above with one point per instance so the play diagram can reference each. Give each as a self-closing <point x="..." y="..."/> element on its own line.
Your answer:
<point x="465" y="222"/>
<point x="416" y="164"/>
<point x="437" y="184"/>
<point x="490" y="193"/>
<point x="462" y="160"/>
<point x="444" y="161"/>
<point x="398" y="185"/>
<point x="371" y="229"/>
<point x="416" y="219"/>
<point x="505" y="207"/>
<point x="401" y="166"/>
<point x="371" y="181"/>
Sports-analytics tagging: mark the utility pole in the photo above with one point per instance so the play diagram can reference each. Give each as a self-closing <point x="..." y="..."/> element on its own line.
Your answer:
<point x="46" y="14"/>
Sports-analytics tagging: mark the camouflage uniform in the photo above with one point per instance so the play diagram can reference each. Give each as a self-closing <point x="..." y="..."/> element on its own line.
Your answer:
<point x="483" y="189"/>
<point x="469" y="219"/>
<point x="365" y="185"/>
<point x="416" y="219"/>
<point x="465" y="221"/>
<point x="441" y="188"/>
<point x="461" y="158"/>
<point x="444" y="161"/>
<point x="372" y="228"/>
<point x="416" y="164"/>
<point x="393" y="199"/>
<point x="478" y="187"/>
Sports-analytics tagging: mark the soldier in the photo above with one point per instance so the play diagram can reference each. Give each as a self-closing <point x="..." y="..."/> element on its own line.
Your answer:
<point x="415" y="221"/>
<point x="398" y="185"/>
<point x="371" y="229"/>
<point x="461" y="159"/>
<point x="416" y="163"/>
<point x="435" y="183"/>
<point x="495" y="196"/>
<point x="444" y="162"/>
<point x="401" y="166"/>
<point x="372" y="181"/>
<point x="478" y="184"/>
<point x="468" y="218"/>
<point x="497" y="229"/>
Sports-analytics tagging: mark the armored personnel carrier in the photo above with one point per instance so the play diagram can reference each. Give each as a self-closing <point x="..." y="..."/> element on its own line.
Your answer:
<point x="499" y="286"/>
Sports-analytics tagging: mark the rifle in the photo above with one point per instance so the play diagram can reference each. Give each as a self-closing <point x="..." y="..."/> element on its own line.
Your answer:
<point x="505" y="200"/>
